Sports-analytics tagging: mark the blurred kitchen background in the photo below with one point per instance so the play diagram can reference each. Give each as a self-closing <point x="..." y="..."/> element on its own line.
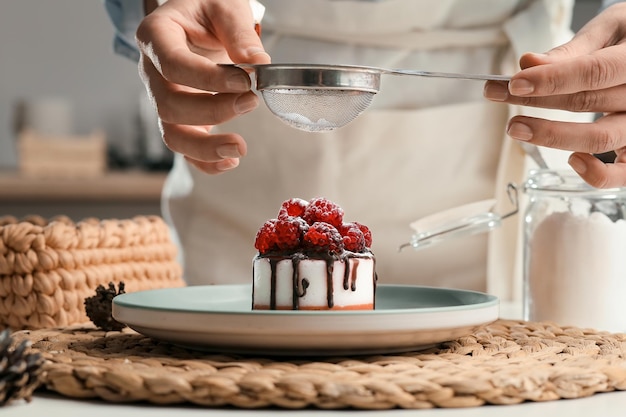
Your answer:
<point x="76" y="114"/>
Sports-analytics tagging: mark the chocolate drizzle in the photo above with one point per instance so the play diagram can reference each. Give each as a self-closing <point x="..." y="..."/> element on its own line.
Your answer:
<point x="273" y="262"/>
<point x="300" y="284"/>
<point x="349" y="274"/>
<point x="330" y="266"/>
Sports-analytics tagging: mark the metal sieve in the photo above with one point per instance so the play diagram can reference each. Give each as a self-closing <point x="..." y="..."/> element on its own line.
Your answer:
<point x="319" y="98"/>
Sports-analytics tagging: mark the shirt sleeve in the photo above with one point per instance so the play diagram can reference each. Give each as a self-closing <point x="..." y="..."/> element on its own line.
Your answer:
<point x="125" y="16"/>
<point x="607" y="3"/>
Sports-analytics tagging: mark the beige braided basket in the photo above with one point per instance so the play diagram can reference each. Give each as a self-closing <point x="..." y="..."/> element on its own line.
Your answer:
<point x="49" y="267"/>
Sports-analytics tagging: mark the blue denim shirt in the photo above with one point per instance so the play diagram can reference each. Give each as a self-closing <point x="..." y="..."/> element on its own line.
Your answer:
<point x="607" y="3"/>
<point x="125" y="16"/>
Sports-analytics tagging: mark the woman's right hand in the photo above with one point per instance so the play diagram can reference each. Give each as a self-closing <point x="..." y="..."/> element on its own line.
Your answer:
<point x="586" y="74"/>
<point x="182" y="44"/>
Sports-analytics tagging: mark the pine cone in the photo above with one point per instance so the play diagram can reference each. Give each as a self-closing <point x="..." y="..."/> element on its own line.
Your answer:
<point x="99" y="307"/>
<point x="20" y="372"/>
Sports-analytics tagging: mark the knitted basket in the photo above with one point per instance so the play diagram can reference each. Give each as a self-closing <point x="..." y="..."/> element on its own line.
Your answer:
<point x="49" y="267"/>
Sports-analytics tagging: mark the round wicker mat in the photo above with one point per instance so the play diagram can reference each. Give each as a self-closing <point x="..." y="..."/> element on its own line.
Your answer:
<point x="506" y="362"/>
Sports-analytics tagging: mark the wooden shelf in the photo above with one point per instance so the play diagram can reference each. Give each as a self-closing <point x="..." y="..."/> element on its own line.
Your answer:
<point x="114" y="186"/>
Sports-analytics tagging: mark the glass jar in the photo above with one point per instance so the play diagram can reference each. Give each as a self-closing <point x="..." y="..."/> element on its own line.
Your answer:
<point x="574" y="252"/>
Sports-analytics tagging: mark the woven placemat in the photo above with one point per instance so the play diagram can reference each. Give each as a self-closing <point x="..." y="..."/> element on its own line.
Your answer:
<point x="506" y="362"/>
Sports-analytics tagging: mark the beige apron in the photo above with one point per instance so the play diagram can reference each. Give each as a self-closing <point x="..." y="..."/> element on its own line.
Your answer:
<point x="410" y="155"/>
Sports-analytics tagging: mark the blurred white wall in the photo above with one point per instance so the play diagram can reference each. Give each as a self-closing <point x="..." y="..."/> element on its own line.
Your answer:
<point x="62" y="48"/>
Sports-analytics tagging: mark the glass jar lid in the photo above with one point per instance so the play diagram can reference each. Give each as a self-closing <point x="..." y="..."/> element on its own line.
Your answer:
<point x="581" y="197"/>
<point x="564" y="181"/>
<point x="465" y="220"/>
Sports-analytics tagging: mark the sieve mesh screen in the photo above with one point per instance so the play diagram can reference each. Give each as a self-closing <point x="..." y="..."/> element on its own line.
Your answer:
<point x="316" y="110"/>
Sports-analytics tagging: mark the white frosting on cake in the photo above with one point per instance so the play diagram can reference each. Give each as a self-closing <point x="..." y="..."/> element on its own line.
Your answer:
<point x="359" y="280"/>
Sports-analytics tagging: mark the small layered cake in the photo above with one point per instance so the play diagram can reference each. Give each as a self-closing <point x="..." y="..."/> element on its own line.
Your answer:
<point x="310" y="259"/>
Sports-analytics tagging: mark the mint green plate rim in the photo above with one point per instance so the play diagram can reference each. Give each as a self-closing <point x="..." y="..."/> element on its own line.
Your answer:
<point x="390" y="299"/>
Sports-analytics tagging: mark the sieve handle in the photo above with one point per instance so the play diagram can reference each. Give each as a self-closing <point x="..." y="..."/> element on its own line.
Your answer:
<point x="373" y="70"/>
<point x="462" y="76"/>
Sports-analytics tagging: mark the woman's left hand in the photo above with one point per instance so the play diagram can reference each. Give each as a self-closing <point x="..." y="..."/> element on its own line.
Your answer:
<point x="586" y="74"/>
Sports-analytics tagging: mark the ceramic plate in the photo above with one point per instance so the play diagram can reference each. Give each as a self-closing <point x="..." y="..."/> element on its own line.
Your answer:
<point x="219" y="318"/>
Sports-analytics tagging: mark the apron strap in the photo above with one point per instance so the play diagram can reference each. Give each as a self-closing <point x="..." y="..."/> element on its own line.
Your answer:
<point x="550" y="20"/>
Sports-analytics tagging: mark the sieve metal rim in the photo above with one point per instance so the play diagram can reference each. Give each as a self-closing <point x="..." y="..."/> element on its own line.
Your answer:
<point x="314" y="76"/>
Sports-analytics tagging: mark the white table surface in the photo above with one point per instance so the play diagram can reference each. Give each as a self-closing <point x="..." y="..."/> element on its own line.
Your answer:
<point x="611" y="404"/>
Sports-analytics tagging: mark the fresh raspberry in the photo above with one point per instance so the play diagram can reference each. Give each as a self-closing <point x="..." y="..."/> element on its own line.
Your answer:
<point x="292" y="207"/>
<point x="266" y="237"/>
<point x="289" y="232"/>
<point x="367" y="234"/>
<point x="353" y="239"/>
<point x="323" y="210"/>
<point x="323" y="236"/>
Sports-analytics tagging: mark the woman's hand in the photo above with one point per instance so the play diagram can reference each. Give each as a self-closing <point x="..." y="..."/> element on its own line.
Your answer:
<point x="587" y="74"/>
<point x="181" y="45"/>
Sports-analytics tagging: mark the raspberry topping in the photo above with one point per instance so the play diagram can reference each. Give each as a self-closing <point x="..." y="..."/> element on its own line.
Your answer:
<point x="353" y="238"/>
<point x="323" y="210"/>
<point x="266" y="237"/>
<point x="289" y="232"/>
<point x="311" y="226"/>
<point x="367" y="234"/>
<point x="323" y="236"/>
<point x="293" y="207"/>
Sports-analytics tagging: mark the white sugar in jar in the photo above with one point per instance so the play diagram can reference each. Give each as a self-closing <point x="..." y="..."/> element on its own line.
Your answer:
<point x="574" y="252"/>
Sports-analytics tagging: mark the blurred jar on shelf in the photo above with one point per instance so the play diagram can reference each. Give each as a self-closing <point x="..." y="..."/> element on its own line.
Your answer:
<point x="152" y="153"/>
